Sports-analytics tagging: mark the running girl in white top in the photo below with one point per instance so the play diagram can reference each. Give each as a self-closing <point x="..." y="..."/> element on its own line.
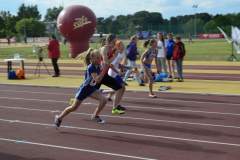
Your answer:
<point x="114" y="70"/>
<point x="116" y="64"/>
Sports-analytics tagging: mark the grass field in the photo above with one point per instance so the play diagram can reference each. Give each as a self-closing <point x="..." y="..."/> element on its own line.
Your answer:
<point x="202" y="50"/>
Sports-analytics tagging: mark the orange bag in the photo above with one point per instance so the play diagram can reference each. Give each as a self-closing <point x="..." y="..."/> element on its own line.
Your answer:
<point x="20" y="74"/>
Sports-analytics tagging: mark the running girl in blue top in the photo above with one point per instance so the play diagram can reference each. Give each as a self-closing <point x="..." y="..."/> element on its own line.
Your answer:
<point x="146" y="59"/>
<point x="89" y="88"/>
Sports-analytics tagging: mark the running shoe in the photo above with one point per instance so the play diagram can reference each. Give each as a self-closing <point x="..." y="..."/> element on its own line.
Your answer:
<point x="180" y="80"/>
<point x="98" y="119"/>
<point x="57" y="121"/>
<point x="117" y="111"/>
<point x="120" y="107"/>
<point x="152" y="96"/>
<point x="164" y="88"/>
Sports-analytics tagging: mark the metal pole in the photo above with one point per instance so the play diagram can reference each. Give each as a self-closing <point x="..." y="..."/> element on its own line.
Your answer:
<point x="195" y="25"/>
<point x="24" y="30"/>
<point x="170" y="29"/>
<point x="195" y="6"/>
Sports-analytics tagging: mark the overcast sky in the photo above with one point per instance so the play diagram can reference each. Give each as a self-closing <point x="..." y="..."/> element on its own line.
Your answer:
<point x="105" y="8"/>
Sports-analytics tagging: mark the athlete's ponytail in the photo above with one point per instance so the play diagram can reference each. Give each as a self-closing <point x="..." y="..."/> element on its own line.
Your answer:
<point x="149" y="42"/>
<point x="146" y="43"/>
<point x="88" y="56"/>
<point x="103" y="42"/>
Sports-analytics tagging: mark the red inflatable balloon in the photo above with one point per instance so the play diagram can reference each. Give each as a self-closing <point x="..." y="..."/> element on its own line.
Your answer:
<point x="77" y="24"/>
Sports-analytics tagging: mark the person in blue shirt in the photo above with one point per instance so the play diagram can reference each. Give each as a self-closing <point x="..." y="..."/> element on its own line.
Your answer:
<point x="131" y="56"/>
<point x="89" y="88"/>
<point x="169" y="54"/>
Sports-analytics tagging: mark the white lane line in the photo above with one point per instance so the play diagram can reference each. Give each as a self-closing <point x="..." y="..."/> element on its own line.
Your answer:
<point x="184" y="110"/>
<point x="125" y="133"/>
<point x="151" y="108"/>
<point x="33" y="99"/>
<point x="126" y="117"/>
<point x="74" y="149"/>
<point x="131" y="90"/>
<point x="189" y="75"/>
<point x="177" y="110"/>
<point x="185" y="101"/>
<point x="134" y="98"/>
<point x="37" y="92"/>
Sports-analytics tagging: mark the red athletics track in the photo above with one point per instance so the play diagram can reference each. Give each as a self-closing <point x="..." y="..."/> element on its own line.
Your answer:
<point x="171" y="127"/>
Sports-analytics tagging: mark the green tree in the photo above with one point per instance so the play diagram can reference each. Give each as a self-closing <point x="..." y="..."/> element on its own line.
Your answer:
<point x="7" y="23"/>
<point x="189" y="26"/>
<point x="222" y="20"/>
<point x="131" y="29"/>
<point x="100" y="25"/>
<point x="2" y="26"/>
<point x="205" y="17"/>
<point x="30" y="27"/>
<point x="210" y="27"/>
<point x="52" y="13"/>
<point x="28" y="12"/>
<point x="153" y="21"/>
<point x="123" y="22"/>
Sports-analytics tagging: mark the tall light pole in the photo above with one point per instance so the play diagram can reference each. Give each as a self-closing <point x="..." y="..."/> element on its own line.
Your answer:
<point x="195" y="6"/>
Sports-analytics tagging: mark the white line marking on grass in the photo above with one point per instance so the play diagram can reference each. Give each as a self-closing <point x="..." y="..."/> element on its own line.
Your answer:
<point x="74" y="149"/>
<point x="126" y="133"/>
<point x="126" y="117"/>
<point x="136" y="98"/>
<point x="152" y="108"/>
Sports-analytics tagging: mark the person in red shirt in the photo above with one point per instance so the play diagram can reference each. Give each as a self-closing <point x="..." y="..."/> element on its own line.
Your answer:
<point x="54" y="54"/>
<point x="179" y="53"/>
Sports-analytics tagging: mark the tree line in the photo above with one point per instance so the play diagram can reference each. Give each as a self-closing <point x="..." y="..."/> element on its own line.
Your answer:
<point x="29" y="22"/>
<point x="153" y="21"/>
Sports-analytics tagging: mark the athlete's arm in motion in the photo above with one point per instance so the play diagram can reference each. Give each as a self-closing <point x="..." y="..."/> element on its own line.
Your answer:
<point x="105" y="61"/>
<point x="143" y="57"/>
<point x="97" y="78"/>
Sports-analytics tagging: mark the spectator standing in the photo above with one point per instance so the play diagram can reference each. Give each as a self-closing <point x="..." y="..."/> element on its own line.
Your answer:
<point x="161" y="56"/>
<point x="178" y="55"/>
<point x="169" y="53"/>
<point x="54" y="54"/>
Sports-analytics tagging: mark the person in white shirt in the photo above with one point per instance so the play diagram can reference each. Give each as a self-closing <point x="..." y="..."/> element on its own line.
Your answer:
<point x="114" y="70"/>
<point x="161" y="56"/>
